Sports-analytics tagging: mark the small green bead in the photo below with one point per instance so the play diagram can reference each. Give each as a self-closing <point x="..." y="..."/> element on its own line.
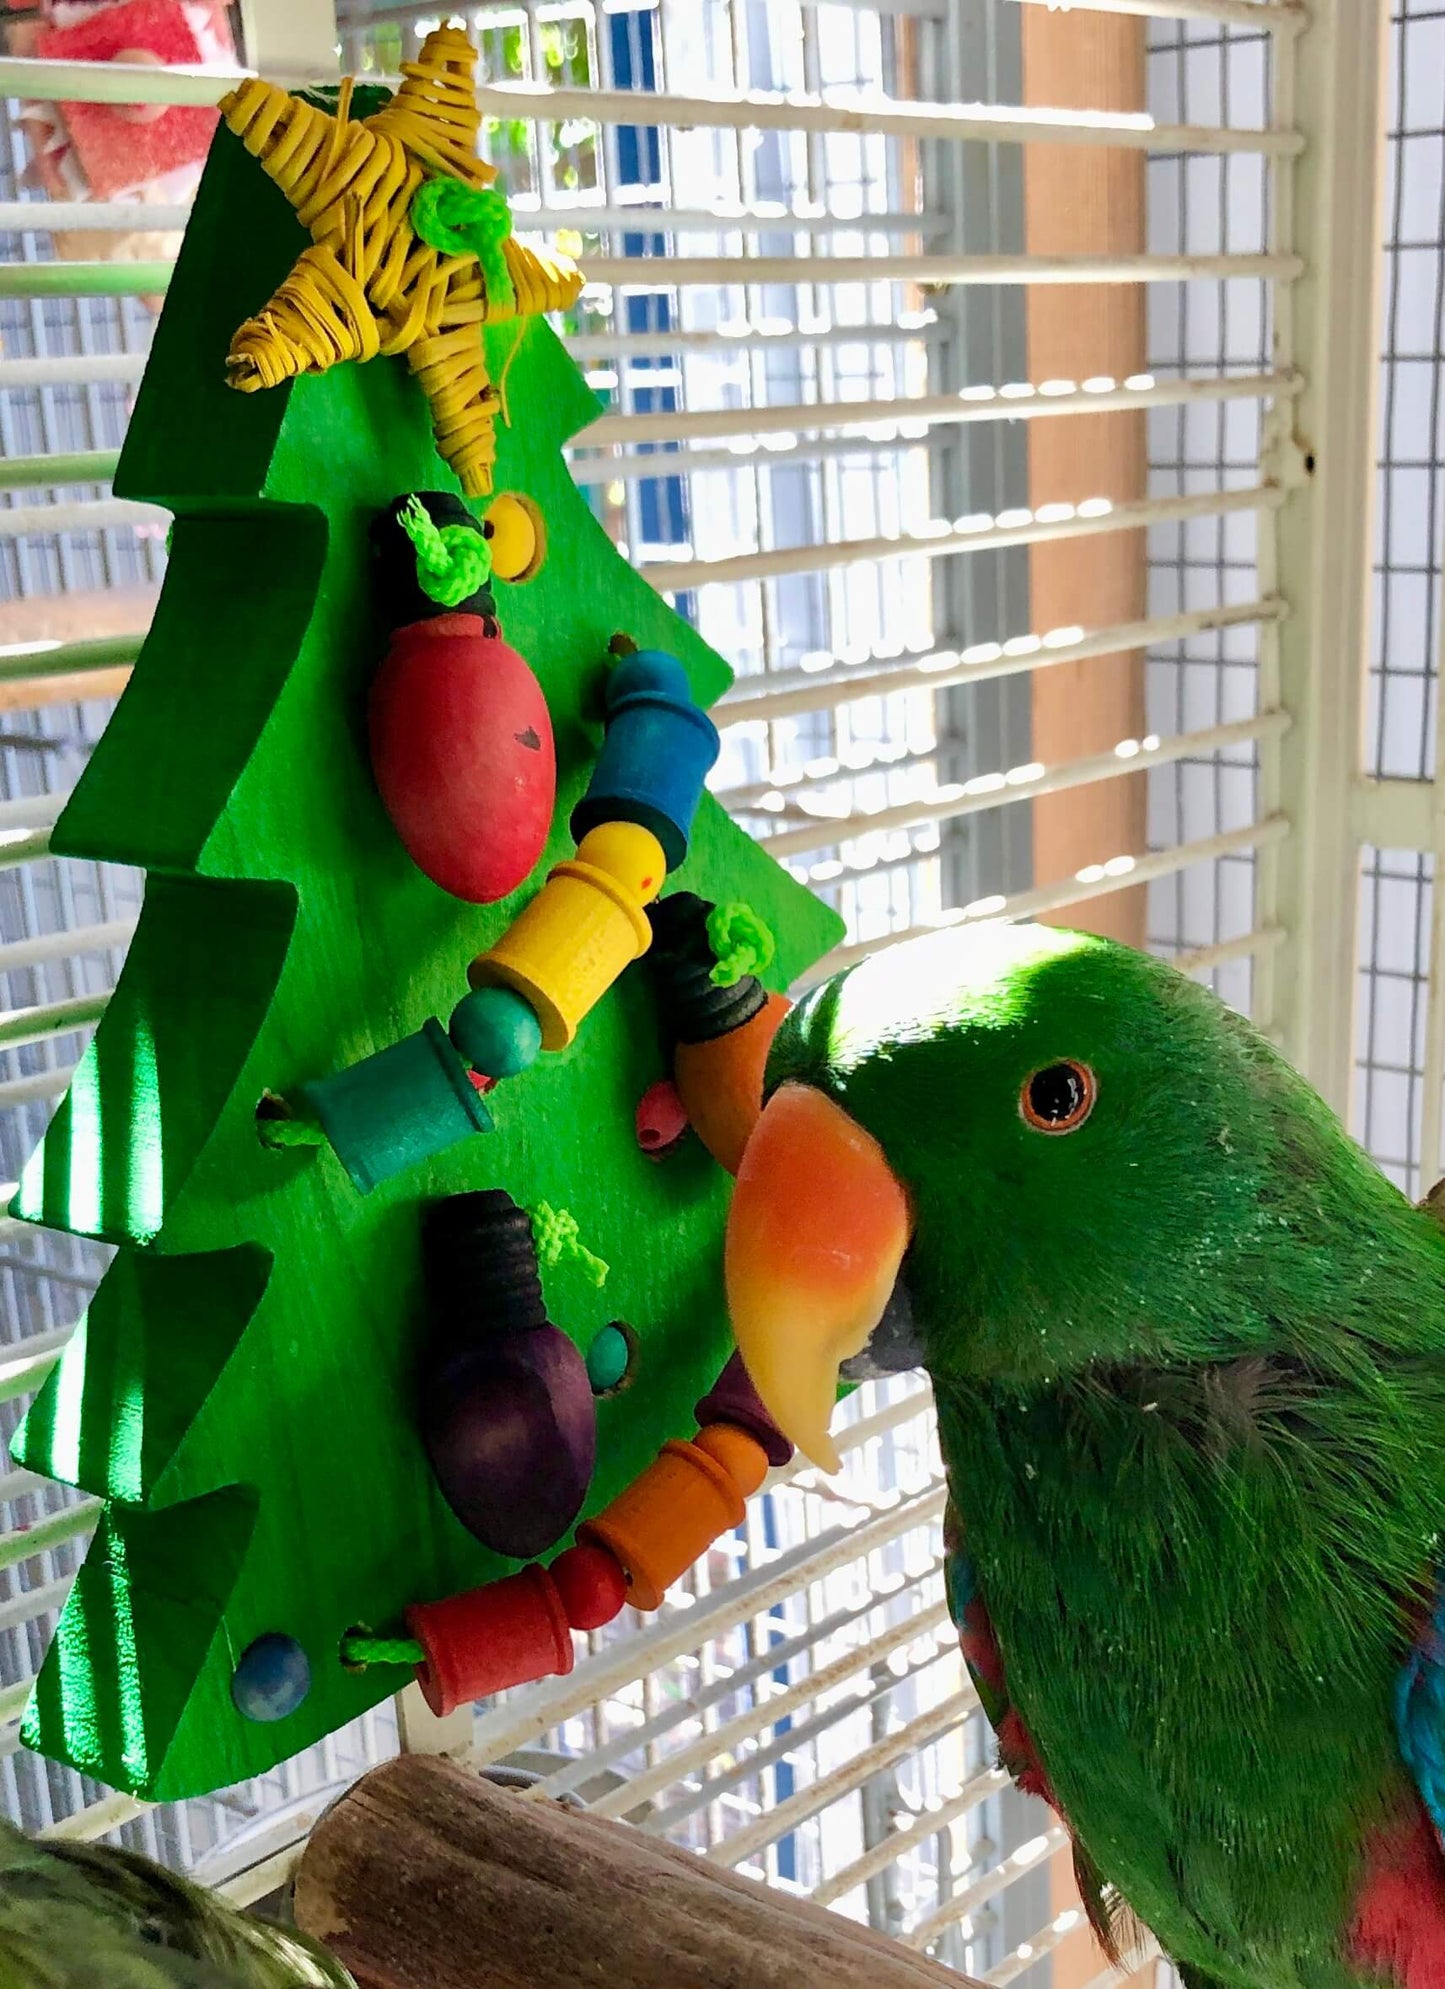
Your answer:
<point x="608" y="1359"/>
<point x="496" y="1031"/>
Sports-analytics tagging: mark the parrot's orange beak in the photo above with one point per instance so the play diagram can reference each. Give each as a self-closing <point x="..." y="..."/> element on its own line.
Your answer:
<point x="817" y="1230"/>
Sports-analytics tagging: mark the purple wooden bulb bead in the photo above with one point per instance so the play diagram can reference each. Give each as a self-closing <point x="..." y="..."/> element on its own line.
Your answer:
<point x="733" y="1399"/>
<point x="507" y="1413"/>
<point x="511" y="1431"/>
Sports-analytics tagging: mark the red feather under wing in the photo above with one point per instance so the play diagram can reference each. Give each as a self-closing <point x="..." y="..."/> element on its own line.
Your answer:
<point x="1399" y="1921"/>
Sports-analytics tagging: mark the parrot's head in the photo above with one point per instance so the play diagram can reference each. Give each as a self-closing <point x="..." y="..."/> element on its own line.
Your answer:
<point x="1003" y="1154"/>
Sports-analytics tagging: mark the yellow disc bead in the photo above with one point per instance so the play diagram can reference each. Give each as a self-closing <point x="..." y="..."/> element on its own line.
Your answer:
<point x="518" y="539"/>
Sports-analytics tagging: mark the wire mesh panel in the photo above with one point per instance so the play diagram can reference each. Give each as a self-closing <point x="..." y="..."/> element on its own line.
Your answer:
<point x="1410" y="517"/>
<point x="1396" y="1100"/>
<point x="1197" y="72"/>
<point x="1393" y="981"/>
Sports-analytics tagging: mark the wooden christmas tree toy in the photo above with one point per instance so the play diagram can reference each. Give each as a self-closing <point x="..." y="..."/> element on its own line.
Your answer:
<point x="261" y="1391"/>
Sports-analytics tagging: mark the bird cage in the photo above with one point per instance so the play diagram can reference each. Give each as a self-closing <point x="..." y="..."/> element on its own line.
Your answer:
<point x="1149" y="643"/>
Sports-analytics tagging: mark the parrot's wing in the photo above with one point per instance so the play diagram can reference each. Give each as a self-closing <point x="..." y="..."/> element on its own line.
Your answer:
<point x="1420" y="1712"/>
<point x="1118" y="1932"/>
<point x="979" y="1646"/>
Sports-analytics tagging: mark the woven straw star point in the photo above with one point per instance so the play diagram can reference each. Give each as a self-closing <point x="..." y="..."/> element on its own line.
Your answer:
<point x="370" y="282"/>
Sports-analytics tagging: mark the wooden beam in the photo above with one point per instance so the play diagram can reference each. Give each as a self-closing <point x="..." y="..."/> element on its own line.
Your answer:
<point x="76" y="617"/>
<point x="29" y="693"/>
<point x="1077" y="202"/>
<point x="424" y="1876"/>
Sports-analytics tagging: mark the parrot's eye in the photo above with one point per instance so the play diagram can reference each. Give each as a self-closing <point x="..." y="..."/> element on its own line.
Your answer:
<point x="1058" y="1098"/>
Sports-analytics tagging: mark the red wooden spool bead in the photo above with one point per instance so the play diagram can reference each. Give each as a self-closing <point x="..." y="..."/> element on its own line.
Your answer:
<point x="508" y="1633"/>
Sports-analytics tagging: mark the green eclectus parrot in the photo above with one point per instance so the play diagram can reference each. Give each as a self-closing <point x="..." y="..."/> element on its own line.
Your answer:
<point x="92" y="1916"/>
<point x="1187" y="1346"/>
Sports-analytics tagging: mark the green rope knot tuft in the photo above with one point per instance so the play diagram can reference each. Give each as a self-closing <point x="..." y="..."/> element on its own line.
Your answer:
<point x="459" y="220"/>
<point x="360" y="1648"/>
<point x="554" y="1231"/>
<point x="279" y="1124"/>
<point x="741" y="943"/>
<point x="452" y="561"/>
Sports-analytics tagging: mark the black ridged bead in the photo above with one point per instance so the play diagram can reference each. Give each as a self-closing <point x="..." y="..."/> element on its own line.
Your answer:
<point x="680" y="962"/>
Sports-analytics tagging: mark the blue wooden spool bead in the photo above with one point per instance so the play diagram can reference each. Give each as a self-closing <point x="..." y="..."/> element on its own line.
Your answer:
<point x="655" y="757"/>
<point x="404" y="1104"/>
<point x="271" y="1678"/>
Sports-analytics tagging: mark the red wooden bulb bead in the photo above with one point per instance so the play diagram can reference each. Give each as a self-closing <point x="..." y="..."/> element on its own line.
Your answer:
<point x="462" y="751"/>
<point x="591" y="1584"/>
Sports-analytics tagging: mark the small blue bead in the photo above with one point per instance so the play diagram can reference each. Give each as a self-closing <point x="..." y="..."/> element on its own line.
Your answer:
<point x="497" y="1031"/>
<point x="271" y="1679"/>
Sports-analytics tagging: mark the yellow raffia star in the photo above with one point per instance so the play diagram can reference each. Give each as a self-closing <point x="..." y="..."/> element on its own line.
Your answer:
<point x="368" y="283"/>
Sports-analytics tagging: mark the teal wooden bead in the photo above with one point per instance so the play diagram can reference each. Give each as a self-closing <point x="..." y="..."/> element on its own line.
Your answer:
<point x="272" y="1677"/>
<point x="497" y="1031"/>
<point x="608" y="1359"/>
<point x="402" y="1105"/>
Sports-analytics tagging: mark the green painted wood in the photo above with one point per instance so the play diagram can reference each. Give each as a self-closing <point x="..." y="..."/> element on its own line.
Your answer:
<point x="239" y="1395"/>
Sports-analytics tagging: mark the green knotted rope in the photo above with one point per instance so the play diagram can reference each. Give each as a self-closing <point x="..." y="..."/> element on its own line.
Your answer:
<point x="460" y="220"/>
<point x="452" y="561"/>
<point x="554" y="1231"/>
<point x="281" y="1125"/>
<point x="741" y="943"/>
<point x="359" y="1647"/>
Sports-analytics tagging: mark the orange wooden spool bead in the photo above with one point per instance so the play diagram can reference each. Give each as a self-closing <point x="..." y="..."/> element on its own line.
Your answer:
<point x="659" y="1525"/>
<point x="740" y="1455"/>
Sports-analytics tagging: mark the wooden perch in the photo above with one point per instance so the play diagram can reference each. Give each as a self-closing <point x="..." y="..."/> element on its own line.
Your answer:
<point x="426" y="1877"/>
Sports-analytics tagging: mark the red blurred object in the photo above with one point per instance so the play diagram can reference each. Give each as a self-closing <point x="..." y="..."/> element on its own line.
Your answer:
<point x="461" y="746"/>
<point x="662" y="1120"/>
<point x="509" y="1632"/>
<point x="591" y="1584"/>
<point x="122" y="146"/>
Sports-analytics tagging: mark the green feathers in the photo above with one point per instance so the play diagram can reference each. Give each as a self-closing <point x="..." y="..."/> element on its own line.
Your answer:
<point x="1189" y="1359"/>
<point x="1208" y="1193"/>
<point x="83" y="1916"/>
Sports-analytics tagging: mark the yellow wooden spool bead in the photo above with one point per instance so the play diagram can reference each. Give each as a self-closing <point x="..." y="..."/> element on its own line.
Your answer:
<point x="518" y="539"/>
<point x="564" y="951"/>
